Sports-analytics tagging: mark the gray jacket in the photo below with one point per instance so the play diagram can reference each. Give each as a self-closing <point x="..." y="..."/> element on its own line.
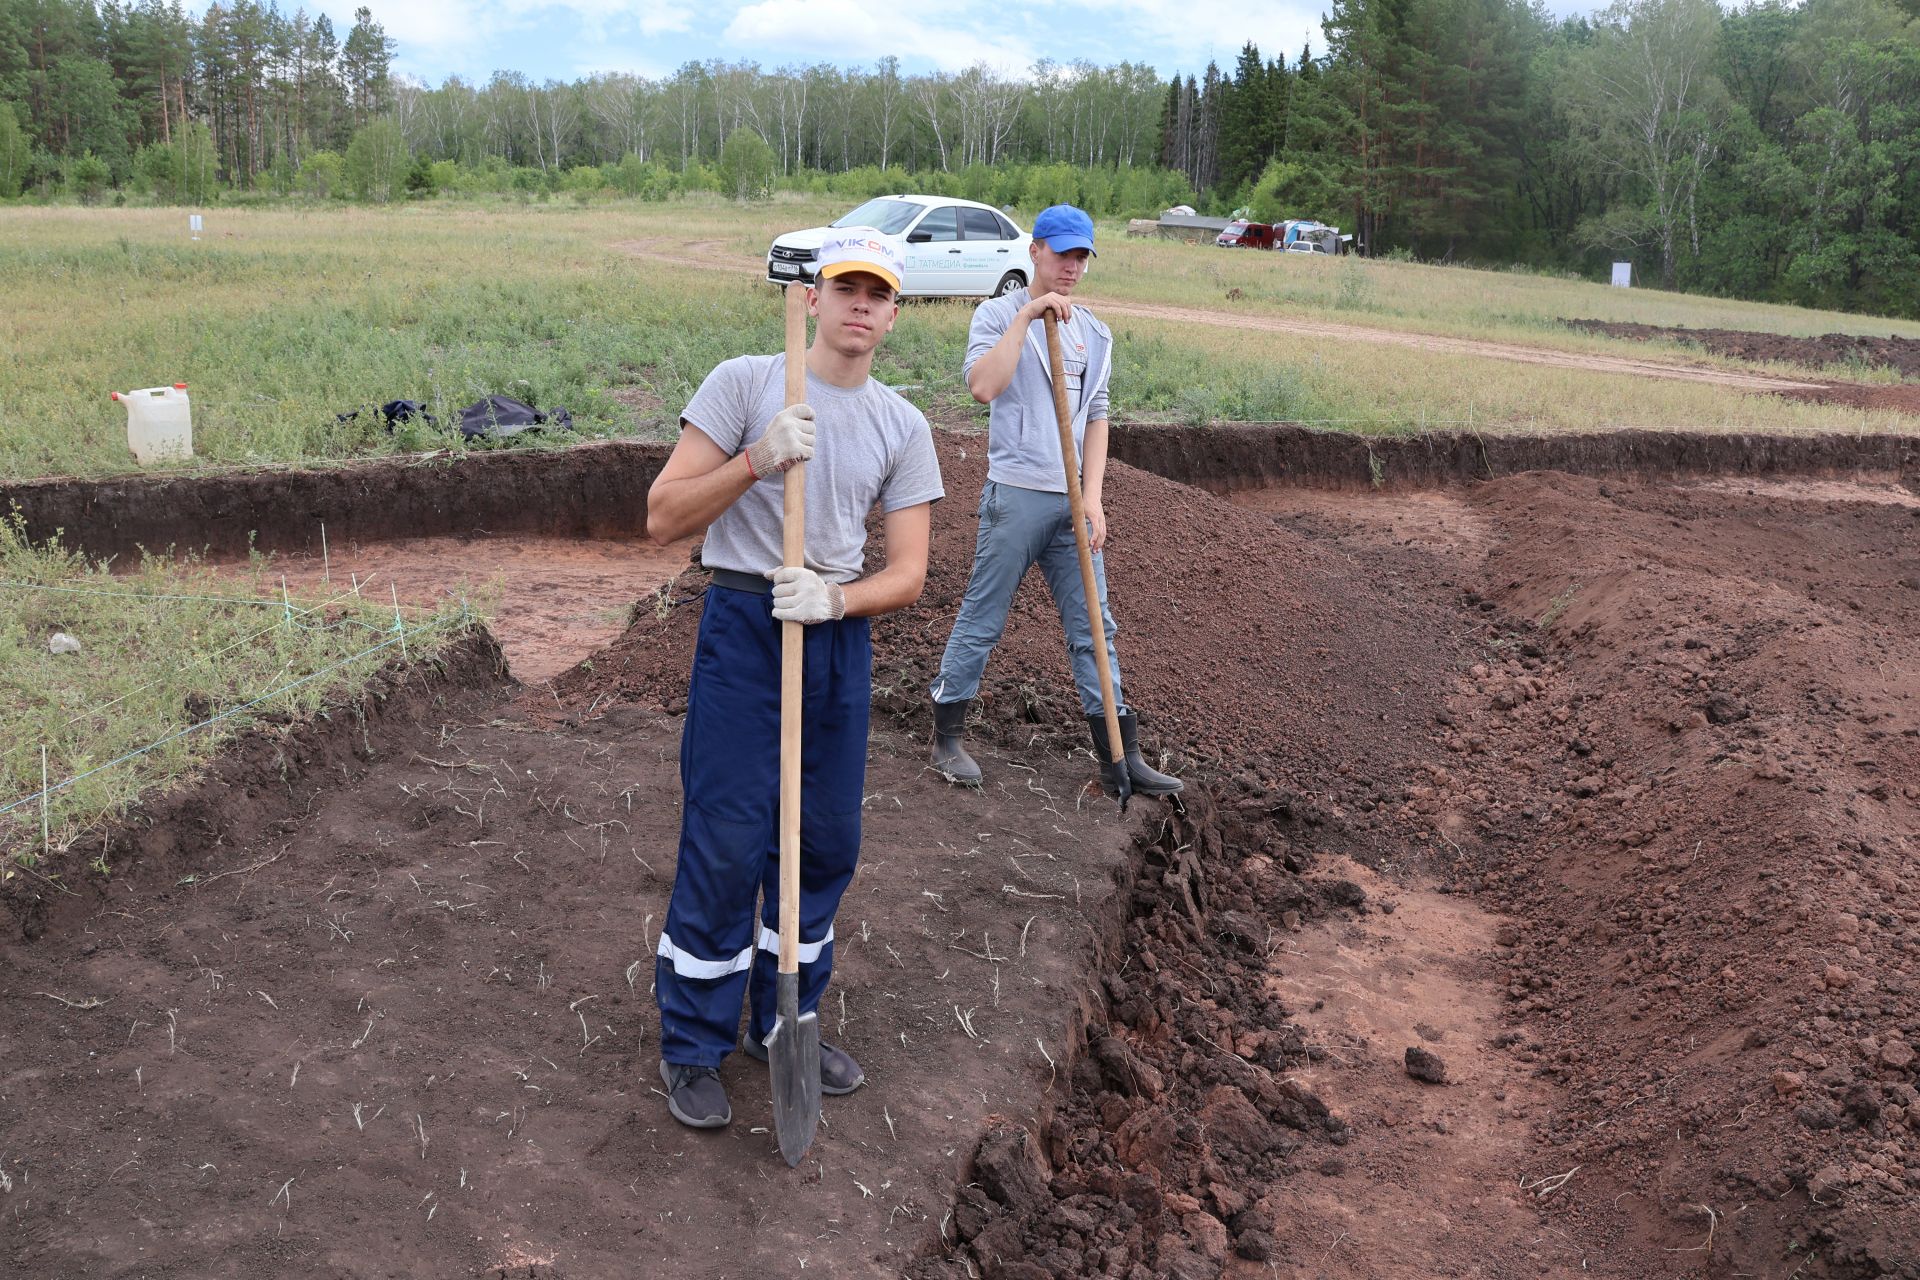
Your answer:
<point x="1023" y="439"/>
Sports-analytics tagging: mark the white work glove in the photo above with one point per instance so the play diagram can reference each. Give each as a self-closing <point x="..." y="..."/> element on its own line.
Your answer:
<point x="801" y="595"/>
<point x="788" y="441"/>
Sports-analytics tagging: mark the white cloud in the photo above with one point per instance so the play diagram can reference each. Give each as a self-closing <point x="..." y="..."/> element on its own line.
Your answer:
<point x="647" y="63"/>
<point x="568" y="38"/>
<point x="1179" y="34"/>
<point x="846" y="31"/>
<point x="437" y="38"/>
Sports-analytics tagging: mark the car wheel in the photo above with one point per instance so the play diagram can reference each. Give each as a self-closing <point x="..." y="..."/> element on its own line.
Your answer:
<point x="1008" y="283"/>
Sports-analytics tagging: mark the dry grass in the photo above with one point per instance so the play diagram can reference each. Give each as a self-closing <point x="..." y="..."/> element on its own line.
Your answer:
<point x="282" y="318"/>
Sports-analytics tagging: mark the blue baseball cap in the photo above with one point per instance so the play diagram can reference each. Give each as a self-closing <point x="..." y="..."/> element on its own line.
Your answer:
<point x="1064" y="227"/>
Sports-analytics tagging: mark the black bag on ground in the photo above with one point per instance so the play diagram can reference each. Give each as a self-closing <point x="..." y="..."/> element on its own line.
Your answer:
<point x="501" y="416"/>
<point x="393" y="413"/>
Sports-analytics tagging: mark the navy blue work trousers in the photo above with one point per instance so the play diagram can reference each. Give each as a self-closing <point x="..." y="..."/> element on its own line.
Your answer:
<point x="712" y="952"/>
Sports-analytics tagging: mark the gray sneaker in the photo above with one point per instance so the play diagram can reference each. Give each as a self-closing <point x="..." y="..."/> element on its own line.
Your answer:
<point x="695" y="1096"/>
<point x="839" y="1073"/>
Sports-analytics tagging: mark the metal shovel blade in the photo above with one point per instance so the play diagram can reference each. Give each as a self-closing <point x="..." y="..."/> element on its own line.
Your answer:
<point x="793" y="1059"/>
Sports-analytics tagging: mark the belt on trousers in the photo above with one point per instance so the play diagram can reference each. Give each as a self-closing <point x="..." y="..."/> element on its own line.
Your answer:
<point x="734" y="580"/>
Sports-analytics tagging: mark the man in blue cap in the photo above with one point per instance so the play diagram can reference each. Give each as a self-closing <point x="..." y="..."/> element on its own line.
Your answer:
<point x="1024" y="516"/>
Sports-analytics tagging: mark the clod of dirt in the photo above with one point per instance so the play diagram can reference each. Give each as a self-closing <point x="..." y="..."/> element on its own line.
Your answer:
<point x="1185" y="1264"/>
<point x="1725" y="709"/>
<point x="1344" y="894"/>
<point x="1426" y="1066"/>
<point x="1012" y="1169"/>
<point x="1254" y="1246"/>
<point x="1236" y="1126"/>
<point x="1827" y="1181"/>
<point x="1124" y="1071"/>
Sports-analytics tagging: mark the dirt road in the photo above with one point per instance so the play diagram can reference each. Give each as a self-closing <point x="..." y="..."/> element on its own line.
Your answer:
<point x="709" y="255"/>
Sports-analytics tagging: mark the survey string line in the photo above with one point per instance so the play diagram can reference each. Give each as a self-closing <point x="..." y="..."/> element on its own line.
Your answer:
<point x="14" y="584"/>
<point x="247" y="639"/>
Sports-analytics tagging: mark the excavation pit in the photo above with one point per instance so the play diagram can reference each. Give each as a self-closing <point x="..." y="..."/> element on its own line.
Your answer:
<point x="1598" y="787"/>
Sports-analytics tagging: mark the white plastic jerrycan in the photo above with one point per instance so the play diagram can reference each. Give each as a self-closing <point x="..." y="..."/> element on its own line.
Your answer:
<point x="159" y="423"/>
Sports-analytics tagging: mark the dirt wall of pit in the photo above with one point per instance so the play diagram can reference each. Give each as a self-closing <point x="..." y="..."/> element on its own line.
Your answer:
<point x="261" y="782"/>
<point x="1233" y="456"/>
<point x="592" y="491"/>
<point x="599" y="490"/>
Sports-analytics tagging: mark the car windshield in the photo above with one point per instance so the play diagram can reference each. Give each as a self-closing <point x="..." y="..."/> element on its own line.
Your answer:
<point x="889" y="217"/>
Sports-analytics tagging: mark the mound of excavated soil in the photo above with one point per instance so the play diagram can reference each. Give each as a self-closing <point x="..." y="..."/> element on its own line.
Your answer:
<point x="1899" y="354"/>
<point x="1705" y="821"/>
<point x="1275" y="662"/>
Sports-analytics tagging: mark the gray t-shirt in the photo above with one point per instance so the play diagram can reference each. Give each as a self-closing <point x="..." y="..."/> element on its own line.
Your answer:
<point x="870" y="446"/>
<point x="1023" y="437"/>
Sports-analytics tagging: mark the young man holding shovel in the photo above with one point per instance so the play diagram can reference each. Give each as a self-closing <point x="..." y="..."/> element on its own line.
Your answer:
<point x="1024" y="510"/>
<point x="867" y="447"/>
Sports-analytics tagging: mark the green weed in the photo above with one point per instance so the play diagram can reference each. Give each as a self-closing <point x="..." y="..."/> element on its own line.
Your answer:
<point x="174" y="659"/>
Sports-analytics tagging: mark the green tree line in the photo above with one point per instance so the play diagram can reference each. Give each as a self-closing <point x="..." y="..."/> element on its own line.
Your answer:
<point x="1771" y="151"/>
<point x="1768" y="152"/>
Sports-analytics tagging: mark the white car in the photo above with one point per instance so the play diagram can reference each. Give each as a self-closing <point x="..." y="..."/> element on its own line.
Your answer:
<point x="954" y="248"/>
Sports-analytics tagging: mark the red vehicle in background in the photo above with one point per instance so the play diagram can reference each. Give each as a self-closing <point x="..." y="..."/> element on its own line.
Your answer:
<point x="1242" y="234"/>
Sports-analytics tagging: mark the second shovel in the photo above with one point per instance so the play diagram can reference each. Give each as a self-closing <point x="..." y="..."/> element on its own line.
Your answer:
<point x="1113" y="772"/>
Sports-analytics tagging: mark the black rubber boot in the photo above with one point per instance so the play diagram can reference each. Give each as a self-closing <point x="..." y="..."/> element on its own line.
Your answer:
<point x="1144" y="779"/>
<point x="950" y="758"/>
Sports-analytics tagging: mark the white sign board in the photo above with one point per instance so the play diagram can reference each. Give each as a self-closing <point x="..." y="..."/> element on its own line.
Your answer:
<point x="193" y="224"/>
<point x="1623" y="275"/>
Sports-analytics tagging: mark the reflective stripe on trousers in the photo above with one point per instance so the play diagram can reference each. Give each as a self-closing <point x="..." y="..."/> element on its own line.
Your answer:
<point x="712" y="952"/>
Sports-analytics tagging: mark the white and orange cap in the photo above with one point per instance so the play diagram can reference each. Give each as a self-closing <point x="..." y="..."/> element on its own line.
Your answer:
<point x="850" y="249"/>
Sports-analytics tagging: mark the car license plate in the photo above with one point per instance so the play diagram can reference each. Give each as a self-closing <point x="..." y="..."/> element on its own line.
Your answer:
<point x="786" y="268"/>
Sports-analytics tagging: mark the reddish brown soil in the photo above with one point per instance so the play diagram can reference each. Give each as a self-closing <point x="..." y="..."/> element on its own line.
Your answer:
<point x="552" y="601"/>
<point x="1679" y="1085"/>
<point x="1681" y="1053"/>
<point x="1238" y="1066"/>
<point x="401" y="1031"/>
<point x="1893" y="352"/>
<point x="1280" y="621"/>
<point x="1700" y="799"/>
<point x="1900" y="398"/>
<point x="593" y="490"/>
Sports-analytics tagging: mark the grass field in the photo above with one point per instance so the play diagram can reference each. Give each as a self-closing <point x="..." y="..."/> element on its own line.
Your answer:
<point x="173" y="660"/>
<point x="282" y="319"/>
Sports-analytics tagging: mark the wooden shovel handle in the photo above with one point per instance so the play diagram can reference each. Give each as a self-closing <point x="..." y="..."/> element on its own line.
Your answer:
<point x="1077" y="505"/>
<point x="793" y="533"/>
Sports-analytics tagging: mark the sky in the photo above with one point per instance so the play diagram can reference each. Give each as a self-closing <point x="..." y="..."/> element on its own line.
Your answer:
<point x="567" y="39"/>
